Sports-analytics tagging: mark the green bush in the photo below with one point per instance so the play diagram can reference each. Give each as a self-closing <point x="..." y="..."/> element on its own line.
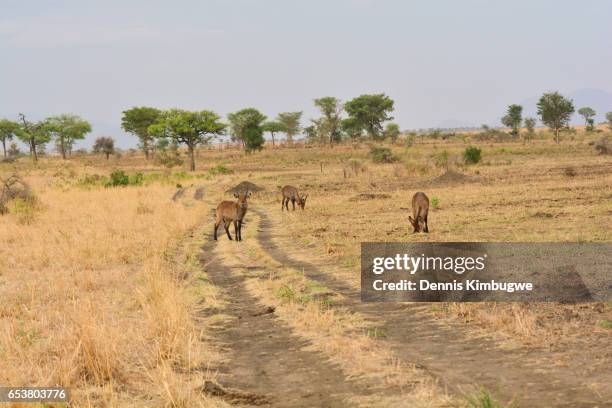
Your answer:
<point x="471" y="155"/>
<point x="435" y="202"/>
<point x="381" y="154"/>
<point x="120" y="178"/>
<point x="220" y="169"/>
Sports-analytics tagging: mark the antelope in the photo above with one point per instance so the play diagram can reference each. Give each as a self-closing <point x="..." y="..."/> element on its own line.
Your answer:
<point x="291" y="193"/>
<point x="232" y="212"/>
<point x="420" y="208"/>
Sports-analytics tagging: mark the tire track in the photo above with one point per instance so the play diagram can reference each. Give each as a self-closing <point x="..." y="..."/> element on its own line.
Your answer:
<point x="451" y="353"/>
<point x="267" y="365"/>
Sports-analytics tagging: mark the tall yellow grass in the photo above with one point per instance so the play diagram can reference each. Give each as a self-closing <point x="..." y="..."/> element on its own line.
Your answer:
<point x="90" y="296"/>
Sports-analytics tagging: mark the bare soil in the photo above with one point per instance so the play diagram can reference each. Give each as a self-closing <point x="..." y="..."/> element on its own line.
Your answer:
<point x="266" y="364"/>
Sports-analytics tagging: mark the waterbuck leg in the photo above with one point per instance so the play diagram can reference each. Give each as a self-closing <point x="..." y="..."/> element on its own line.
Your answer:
<point x="226" y="226"/>
<point x="293" y="202"/>
<point x="239" y="230"/>
<point x="236" y="231"/>
<point x="283" y="204"/>
<point x="216" y="227"/>
<point x="426" y="227"/>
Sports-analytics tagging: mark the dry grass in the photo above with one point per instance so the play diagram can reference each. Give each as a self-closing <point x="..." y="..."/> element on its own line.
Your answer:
<point x="92" y="295"/>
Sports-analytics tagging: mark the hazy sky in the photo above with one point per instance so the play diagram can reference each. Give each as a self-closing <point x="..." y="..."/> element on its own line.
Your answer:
<point x="438" y="59"/>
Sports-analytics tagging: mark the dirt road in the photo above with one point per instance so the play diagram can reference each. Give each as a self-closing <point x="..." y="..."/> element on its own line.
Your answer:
<point x="268" y="365"/>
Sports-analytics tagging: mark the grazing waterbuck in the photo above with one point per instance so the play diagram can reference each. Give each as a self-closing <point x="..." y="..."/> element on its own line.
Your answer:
<point x="420" y="208"/>
<point x="291" y="193"/>
<point x="232" y="212"/>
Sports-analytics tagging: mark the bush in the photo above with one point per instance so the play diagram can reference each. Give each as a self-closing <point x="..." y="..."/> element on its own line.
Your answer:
<point x="220" y="169"/>
<point x="169" y="159"/>
<point x="471" y="155"/>
<point x="382" y="155"/>
<point x="435" y="202"/>
<point x="120" y="178"/>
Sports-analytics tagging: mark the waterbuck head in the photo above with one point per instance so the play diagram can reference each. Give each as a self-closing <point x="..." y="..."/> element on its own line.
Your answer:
<point x="242" y="198"/>
<point x="302" y="201"/>
<point x="418" y="224"/>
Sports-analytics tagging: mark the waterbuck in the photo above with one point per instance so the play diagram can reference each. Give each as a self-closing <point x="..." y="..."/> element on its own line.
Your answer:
<point x="230" y="211"/>
<point x="420" y="208"/>
<point x="291" y="193"/>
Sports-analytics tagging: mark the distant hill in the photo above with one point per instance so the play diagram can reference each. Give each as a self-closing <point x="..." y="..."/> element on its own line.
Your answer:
<point x="597" y="99"/>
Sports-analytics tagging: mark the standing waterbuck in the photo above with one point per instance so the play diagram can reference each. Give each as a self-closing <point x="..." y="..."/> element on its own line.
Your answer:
<point x="291" y="193"/>
<point x="420" y="208"/>
<point x="232" y="212"/>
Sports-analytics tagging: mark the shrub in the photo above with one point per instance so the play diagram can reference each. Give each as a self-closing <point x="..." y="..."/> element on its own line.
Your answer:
<point x="220" y="169"/>
<point x="471" y="155"/>
<point x="120" y="178"/>
<point x="381" y="154"/>
<point x="435" y="202"/>
<point x="169" y="159"/>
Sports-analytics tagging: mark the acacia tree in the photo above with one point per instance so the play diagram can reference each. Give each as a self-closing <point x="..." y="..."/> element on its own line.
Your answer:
<point x="8" y="130"/>
<point x="273" y="126"/>
<point x="329" y="124"/>
<point x="66" y="129"/>
<point x="189" y="128"/>
<point x="530" y="126"/>
<point x="555" y="111"/>
<point x="291" y="124"/>
<point x="105" y="145"/>
<point x="609" y="119"/>
<point x="138" y="121"/>
<point x="588" y="114"/>
<point x="34" y="134"/>
<point x="392" y="131"/>
<point x="370" y="111"/>
<point x="246" y="126"/>
<point x="513" y="118"/>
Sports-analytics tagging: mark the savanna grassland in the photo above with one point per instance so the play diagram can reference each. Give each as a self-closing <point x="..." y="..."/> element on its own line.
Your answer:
<point x="120" y="294"/>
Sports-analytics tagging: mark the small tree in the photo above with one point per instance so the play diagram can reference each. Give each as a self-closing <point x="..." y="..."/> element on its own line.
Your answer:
<point x="34" y="134"/>
<point x="311" y="133"/>
<point x="370" y="111"/>
<point x="138" y="121"/>
<point x="273" y="126"/>
<point x="392" y="131"/>
<point x="513" y="118"/>
<point x="189" y="128"/>
<point x="246" y="126"/>
<point x="555" y="111"/>
<point x="609" y="120"/>
<point x="104" y="145"/>
<point x="530" y="126"/>
<point x="8" y="130"/>
<point x="13" y="150"/>
<point x="588" y="114"/>
<point x="66" y="129"/>
<point x="331" y="109"/>
<point x="291" y="124"/>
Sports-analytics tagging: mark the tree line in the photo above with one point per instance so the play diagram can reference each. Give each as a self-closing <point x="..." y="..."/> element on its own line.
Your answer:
<point x="366" y="116"/>
<point x="159" y="129"/>
<point x="555" y="112"/>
